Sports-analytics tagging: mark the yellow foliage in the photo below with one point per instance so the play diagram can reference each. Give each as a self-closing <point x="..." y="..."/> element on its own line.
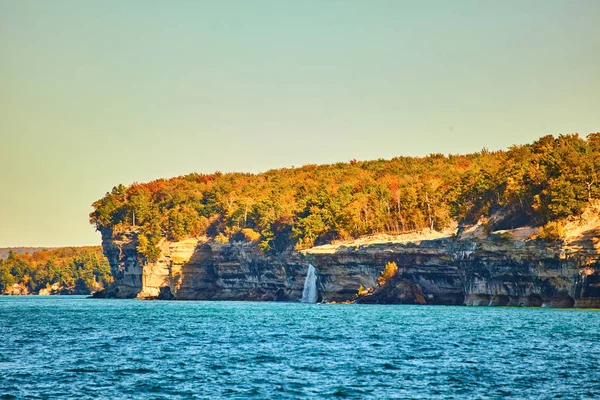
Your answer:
<point x="220" y="238"/>
<point x="142" y="243"/>
<point x="344" y="234"/>
<point x="389" y="271"/>
<point x="26" y="279"/>
<point x="251" y="235"/>
<point x="552" y="231"/>
<point x="362" y="291"/>
<point x="304" y="243"/>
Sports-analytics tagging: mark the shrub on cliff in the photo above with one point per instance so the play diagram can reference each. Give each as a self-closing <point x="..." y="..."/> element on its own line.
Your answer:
<point x="388" y="272"/>
<point x="502" y="237"/>
<point x="148" y="247"/>
<point x="245" y="235"/>
<point x="362" y="291"/>
<point x="251" y="235"/>
<point x="221" y="238"/>
<point x="552" y="231"/>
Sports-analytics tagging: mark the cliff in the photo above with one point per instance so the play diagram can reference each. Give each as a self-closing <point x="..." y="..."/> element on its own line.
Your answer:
<point x="505" y="268"/>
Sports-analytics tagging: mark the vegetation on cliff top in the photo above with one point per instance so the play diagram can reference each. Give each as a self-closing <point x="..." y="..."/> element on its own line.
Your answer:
<point x="77" y="270"/>
<point x="533" y="184"/>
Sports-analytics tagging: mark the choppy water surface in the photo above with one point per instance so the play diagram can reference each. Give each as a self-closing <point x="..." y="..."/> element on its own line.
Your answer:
<point x="73" y="347"/>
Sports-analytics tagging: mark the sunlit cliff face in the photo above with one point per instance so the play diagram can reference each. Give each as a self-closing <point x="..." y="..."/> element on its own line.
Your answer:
<point x="442" y="271"/>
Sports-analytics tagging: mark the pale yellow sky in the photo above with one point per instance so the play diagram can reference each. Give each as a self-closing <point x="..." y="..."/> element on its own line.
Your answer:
<point x="97" y="93"/>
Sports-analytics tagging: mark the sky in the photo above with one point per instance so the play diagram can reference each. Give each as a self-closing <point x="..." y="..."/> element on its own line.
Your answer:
<point x="97" y="93"/>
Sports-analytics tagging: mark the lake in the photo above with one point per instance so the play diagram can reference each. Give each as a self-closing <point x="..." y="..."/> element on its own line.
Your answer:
<point x="52" y="347"/>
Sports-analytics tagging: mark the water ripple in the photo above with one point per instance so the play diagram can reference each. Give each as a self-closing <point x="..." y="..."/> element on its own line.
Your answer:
<point x="70" y="347"/>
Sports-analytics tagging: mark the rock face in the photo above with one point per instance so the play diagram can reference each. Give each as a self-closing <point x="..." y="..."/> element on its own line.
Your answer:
<point x="470" y="271"/>
<point x="395" y="291"/>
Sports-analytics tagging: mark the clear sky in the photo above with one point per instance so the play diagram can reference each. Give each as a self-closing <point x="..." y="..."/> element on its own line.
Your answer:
<point x="97" y="93"/>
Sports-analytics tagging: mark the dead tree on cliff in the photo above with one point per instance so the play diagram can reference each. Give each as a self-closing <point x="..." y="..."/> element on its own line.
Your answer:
<point x="429" y="211"/>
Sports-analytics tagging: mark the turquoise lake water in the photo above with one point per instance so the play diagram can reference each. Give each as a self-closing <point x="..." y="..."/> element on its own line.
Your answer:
<point x="72" y="347"/>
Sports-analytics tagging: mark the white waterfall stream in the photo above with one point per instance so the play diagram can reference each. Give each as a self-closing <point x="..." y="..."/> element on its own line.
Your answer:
<point x="310" y="294"/>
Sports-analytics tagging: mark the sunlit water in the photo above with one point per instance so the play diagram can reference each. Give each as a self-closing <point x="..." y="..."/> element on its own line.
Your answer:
<point x="73" y="347"/>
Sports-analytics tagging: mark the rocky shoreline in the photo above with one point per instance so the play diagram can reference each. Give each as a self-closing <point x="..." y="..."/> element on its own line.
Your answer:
<point x="19" y="289"/>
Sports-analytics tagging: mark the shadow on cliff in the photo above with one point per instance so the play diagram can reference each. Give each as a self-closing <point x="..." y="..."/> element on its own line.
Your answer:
<point x="427" y="274"/>
<point x="588" y="239"/>
<point x="125" y="268"/>
<point x="195" y="279"/>
<point x="237" y="271"/>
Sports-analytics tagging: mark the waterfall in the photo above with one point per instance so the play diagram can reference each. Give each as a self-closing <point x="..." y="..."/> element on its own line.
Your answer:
<point x="309" y="294"/>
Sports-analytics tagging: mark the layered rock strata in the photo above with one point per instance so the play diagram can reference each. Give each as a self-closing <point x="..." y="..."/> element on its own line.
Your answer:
<point x="450" y="271"/>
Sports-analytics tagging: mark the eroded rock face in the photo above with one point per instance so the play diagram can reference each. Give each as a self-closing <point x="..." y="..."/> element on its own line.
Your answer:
<point x="395" y="291"/>
<point x="448" y="271"/>
<point x="125" y="264"/>
<point x="195" y="269"/>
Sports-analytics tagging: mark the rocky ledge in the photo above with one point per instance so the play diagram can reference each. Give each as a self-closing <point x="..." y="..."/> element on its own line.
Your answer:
<point x="495" y="270"/>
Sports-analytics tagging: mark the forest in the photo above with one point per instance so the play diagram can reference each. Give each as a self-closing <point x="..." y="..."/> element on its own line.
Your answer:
<point x="67" y="270"/>
<point x="543" y="182"/>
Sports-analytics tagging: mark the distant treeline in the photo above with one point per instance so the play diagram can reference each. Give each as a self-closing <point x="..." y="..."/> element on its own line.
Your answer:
<point x="79" y="270"/>
<point x="550" y="179"/>
<point x="4" y="251"/>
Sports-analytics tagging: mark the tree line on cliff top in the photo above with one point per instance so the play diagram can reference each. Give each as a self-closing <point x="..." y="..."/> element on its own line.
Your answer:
<point x="533" y="184"/>
<point x="67" y="270"/>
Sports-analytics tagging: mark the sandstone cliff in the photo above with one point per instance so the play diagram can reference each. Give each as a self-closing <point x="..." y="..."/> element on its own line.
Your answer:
<point x="506" y="268"/>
